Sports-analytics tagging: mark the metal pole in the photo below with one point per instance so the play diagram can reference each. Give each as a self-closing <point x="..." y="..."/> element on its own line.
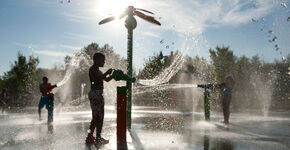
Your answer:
<point x="129" y="68"/>
<point x="206" y="104"/>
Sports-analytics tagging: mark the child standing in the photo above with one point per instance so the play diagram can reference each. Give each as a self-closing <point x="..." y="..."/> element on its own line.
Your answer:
<point x="46" y="99"/>
<point x="227" y="87"/>
<point x="96" y="98"/>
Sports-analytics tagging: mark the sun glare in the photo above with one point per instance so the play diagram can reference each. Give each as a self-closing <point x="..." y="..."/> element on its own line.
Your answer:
<point x="107" y="8"/>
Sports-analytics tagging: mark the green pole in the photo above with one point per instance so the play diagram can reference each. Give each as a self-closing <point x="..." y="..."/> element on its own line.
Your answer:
<point x="130" y="28"/>
<point x="206" y="104"/>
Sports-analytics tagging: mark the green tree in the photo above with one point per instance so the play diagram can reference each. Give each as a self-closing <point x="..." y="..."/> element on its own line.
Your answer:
<point x="21" y="78"/>
<point x="223" y="61"/>
<point x="152" y="67"/>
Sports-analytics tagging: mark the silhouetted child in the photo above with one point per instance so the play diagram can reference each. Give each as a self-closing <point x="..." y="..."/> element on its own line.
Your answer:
<point x="4" y="99"/>
<point x="46" y="99"/>
<point x="96" y="99"/>
<point x="227" y="87"/>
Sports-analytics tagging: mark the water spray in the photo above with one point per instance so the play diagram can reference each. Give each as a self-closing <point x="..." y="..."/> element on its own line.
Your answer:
<point x="206" y="95"/>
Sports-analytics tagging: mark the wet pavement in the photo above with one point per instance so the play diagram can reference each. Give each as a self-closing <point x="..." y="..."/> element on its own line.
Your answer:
<point x="24" y="131"/>
<point x="152" y="128"/>
<point x="175" y="130"/>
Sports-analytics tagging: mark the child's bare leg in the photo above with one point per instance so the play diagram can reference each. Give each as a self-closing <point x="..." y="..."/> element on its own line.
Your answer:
<point x="39" y="113"/>
<point x="226" y="110"/>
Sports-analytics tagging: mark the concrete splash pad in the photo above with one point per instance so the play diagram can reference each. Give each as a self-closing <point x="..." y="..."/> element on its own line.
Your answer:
<point x="152" y="128"/>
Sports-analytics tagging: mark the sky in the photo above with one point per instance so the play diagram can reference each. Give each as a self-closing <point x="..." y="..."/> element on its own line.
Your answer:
<point x="52" y="29"/>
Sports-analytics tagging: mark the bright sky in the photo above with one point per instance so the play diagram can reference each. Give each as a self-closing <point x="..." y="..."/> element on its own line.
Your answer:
<point x="51" y="29"/>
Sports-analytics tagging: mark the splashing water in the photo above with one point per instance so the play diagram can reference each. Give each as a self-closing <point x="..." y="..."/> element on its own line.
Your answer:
<point x="166" y="75"/>
<point x="270" y="32"/>
<point x="254" y="20"/>
<point x="264" y="91"/>
<point x="82" y="89"/>
<point x="145" y="89"/>
<point x="284" y="4"/>
<point x="77" y="58"/>
<point x="274" y="39"/>
<point x="176" y="65"/>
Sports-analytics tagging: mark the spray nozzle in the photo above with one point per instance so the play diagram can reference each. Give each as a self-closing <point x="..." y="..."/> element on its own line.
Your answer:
<point x="119" y="75"/>
<point x="206" y="86"/>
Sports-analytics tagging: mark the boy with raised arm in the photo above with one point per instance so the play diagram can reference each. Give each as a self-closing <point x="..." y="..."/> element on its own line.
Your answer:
<point x="96" y="99"/>
<point x="46" y="99"/>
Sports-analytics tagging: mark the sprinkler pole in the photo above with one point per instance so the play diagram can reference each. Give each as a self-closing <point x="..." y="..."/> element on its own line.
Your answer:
<point x="206" y="99"/>
<point x="206" y="104"/>
<point x="122" y="93"/>
<point x="129" y="83"/>
<point x="129" y="23"/>
<point x="121" y="115"/>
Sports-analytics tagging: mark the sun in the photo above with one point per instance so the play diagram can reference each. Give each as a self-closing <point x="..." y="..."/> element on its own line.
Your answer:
<point x="107" y="8"/>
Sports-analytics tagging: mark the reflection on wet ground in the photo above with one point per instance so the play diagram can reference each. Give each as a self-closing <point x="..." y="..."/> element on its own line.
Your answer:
<point x="184" y="131"/>
<point x="152" y="128"/>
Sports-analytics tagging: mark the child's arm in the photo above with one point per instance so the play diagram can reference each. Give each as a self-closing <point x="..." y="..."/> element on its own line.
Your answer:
<point x="221" y="85"/>
<point x="107" y="79"/>
<point x="95" y="74"/>
<point x="50" y="87"/>
<point x="40" y="89"/>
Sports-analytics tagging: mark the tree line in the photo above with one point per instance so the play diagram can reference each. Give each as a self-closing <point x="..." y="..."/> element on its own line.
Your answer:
<point x="254" y="77"/>
<point x="259" y="84"/>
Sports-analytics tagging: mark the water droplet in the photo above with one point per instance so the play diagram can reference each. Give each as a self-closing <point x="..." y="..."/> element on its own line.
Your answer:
<point x="276" y="46"/>
<point x="262" y="19"/>
<point x="173" y="26"/>
<point x="269" y="41"/>
<point x="172" y="43"/>
<point x="288" y="19"/>
<point x="172" y="141"/>
<point x="274" y="39"/>
<point x="162" y="41"/>
<point x="270" y="32"/>
<point x="167" y="46"/>
<point x="255" y="6"/>
<point x="160" y="18"/>
<point x="254" y="20"/>
<point x="284" y="4"/>
<point x="283" y="58"/>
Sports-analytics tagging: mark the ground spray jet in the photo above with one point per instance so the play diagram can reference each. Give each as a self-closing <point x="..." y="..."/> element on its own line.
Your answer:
<point x="122" y="93"/>
<point x="206" y="99"/>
